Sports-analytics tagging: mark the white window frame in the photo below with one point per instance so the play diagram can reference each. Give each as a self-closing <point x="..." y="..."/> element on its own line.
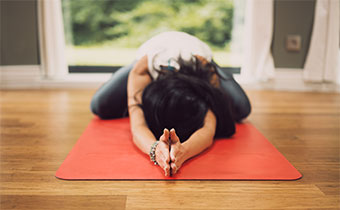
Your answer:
<point x="52" y="50"/>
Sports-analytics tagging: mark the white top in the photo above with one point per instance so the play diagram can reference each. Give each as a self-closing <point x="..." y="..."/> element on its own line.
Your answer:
<point x="166" y="48"/>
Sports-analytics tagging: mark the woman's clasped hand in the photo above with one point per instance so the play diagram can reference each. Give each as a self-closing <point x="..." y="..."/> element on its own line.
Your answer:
<point x="170" y="153"/>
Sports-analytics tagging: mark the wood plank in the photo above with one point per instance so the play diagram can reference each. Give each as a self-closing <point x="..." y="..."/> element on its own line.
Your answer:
<point x="46" y="202"/>
<point x="227" y="201"/>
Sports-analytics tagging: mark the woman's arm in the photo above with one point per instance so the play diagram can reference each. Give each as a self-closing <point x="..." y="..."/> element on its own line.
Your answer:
<point x="197" y="142"/>
<point x="202" y="138"/>
<point x="138" y="79"/>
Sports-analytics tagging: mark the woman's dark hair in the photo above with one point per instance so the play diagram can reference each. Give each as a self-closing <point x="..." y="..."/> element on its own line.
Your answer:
<point x="181" y="100"/>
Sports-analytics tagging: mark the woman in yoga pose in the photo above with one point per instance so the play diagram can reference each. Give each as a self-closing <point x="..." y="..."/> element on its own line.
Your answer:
<point x="177" y="98"/>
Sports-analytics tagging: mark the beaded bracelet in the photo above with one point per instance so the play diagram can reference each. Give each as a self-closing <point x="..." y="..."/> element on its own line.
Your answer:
<point x="153" y="153"/>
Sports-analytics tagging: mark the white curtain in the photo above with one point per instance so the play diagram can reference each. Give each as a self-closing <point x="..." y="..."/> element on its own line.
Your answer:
<point x="323" y="56"/>
<point x="52" y="40"/>
<point x="258" y="64"/>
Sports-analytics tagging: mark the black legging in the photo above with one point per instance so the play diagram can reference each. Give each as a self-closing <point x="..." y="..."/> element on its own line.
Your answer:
<point x="110" y="101"/>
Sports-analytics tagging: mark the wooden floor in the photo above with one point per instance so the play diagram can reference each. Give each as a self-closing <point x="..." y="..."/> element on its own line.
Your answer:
<point x="39" y="128"/>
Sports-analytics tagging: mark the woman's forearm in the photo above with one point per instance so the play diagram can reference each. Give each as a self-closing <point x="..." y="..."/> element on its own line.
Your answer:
<point x="141" y="134"/>
<point x="143" y="139"/>
<point x="202" y="138"/>
<point x="138" y="79"/>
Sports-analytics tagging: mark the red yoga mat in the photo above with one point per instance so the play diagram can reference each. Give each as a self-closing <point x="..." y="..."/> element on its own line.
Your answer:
<point x="105" y="151"/>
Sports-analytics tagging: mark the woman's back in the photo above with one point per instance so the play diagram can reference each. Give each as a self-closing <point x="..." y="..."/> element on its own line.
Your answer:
<point x="165" y="49"/>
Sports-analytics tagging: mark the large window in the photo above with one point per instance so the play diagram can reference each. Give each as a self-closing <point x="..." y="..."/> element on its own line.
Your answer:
<point x="102" y="35"/>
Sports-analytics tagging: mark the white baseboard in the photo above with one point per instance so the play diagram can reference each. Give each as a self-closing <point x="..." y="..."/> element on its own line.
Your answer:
<point x="289" y="80"/>
<point x="30" y="77"/>
<point x="20" y="76"/>
<point x="77" y="80"/>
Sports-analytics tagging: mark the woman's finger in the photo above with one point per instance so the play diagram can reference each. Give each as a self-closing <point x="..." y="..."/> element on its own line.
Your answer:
<point x="174" y="168"/>
<point x="173" y="136"/>
<point x="162" y="152"/>
<point x="174" y="148"/>
<point x="173" y="153"/>
<point x="166" y="170"/>
<point x="165" y="136"/>
<point x="165" y="153"/>
<point x="164" y="165"/>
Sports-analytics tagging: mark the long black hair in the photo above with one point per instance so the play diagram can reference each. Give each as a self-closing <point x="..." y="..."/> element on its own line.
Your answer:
<point x="181" y="99"/>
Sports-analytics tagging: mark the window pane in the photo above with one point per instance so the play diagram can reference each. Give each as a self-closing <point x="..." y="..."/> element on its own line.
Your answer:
<point x="108" y="32"/>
